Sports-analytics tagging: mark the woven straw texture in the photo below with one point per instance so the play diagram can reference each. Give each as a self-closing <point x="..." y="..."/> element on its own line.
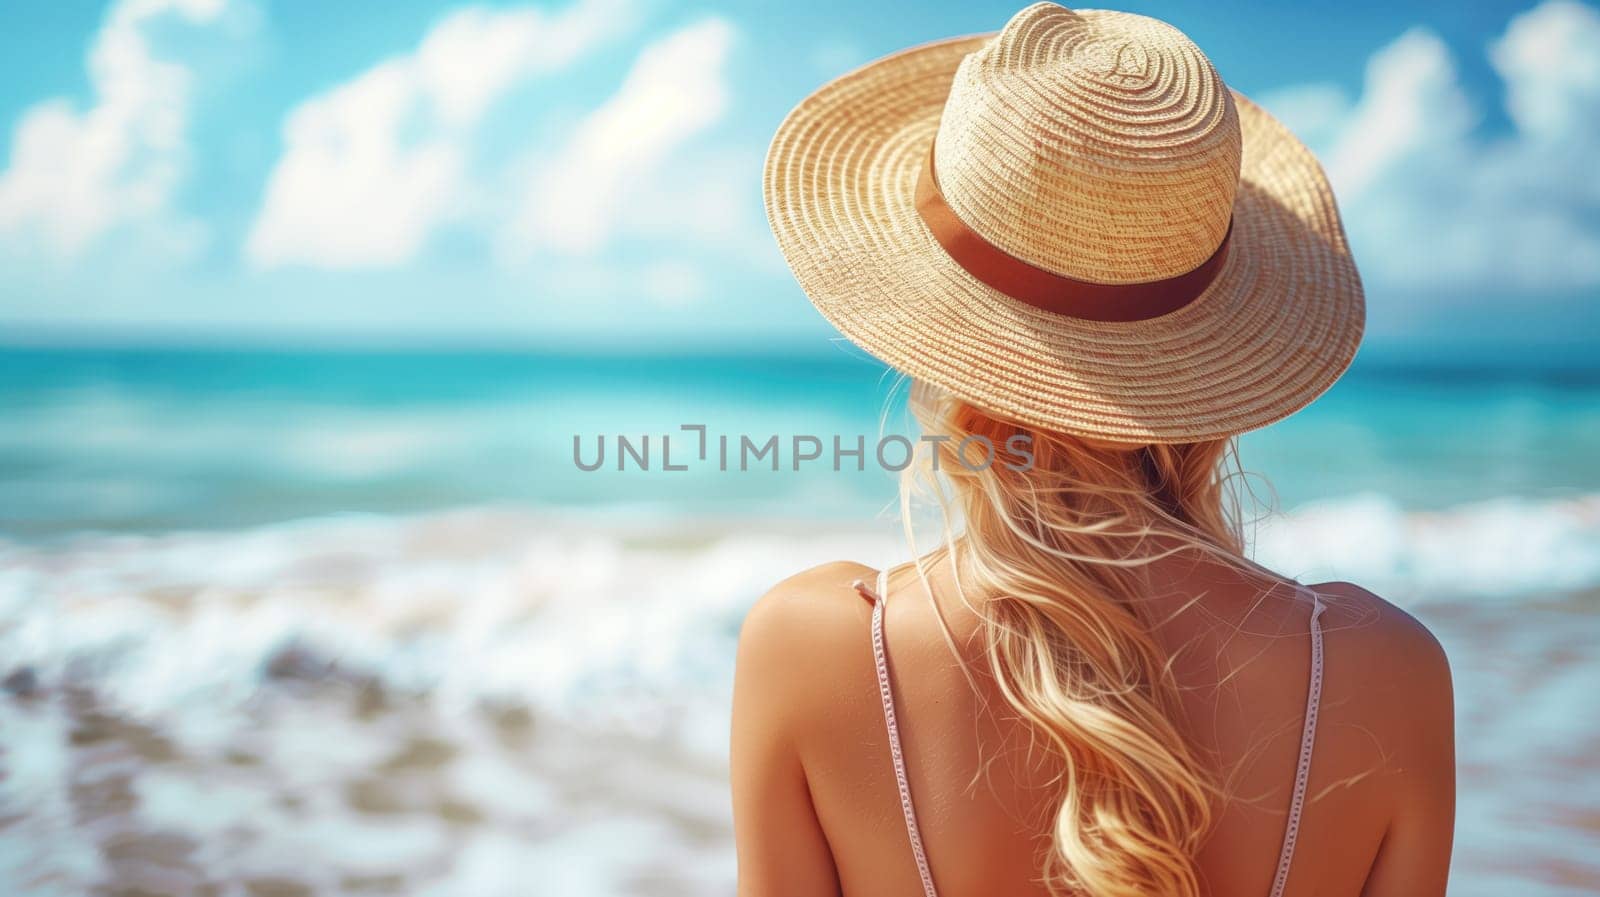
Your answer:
<point x="1100" y="146"/>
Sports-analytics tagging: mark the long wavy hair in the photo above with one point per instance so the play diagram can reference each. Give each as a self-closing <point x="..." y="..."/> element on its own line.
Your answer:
<point x="1058" y="549"/>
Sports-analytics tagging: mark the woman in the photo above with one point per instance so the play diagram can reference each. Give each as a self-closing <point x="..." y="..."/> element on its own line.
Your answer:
<point x="1073" y="237"/>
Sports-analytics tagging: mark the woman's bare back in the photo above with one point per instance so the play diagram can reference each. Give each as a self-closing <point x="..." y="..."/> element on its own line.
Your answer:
<point x="807" y="713"/>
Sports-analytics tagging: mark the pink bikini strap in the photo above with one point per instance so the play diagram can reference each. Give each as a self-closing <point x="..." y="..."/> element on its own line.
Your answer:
<point x="880" y="654"/>
<point x="1308" y="739"/>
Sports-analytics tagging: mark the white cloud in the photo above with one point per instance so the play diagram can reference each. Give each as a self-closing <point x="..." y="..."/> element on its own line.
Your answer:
<point x="372" y="167"/>
<point x="1432" y="204"/>
<point x="1550" y="60"/>
<point x="75" y="175"/>
<point x="375" y="166"/>
<point x="577" y="201"/>
<point x="1413" y="104"/>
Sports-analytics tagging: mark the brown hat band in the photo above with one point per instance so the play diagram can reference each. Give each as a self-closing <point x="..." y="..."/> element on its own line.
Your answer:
<point x="1047" y="290"/>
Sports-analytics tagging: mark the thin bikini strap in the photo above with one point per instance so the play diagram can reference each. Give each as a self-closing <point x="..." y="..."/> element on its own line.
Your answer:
<point x="1308" y="739"/>
<point x="880" y="655"/>
<point x="1302" y="776"/>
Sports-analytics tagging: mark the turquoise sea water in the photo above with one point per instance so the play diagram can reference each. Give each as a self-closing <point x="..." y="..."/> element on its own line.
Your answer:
<point x="329" y="623"/>
<point x="152" y="440"/>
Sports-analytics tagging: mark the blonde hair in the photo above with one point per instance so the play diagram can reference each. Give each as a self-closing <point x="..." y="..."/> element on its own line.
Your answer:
<point x="1058" y="549"/>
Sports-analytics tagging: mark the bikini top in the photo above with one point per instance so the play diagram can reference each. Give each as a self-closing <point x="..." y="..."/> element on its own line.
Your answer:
<point x="879" y="598"/>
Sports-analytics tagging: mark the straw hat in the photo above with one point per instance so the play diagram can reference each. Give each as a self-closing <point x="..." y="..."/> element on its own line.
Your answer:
<point x="1074" y="224"/>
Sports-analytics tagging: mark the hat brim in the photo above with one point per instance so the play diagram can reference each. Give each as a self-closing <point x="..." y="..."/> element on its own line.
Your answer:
<point x="1278" y="325"/>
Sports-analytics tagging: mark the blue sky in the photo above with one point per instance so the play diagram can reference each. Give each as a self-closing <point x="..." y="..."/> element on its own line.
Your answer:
<point x="587" y="172"/>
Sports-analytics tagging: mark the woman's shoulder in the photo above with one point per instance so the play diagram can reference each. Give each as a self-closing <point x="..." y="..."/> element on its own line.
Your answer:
<point x="802" y="616"/>
<point x="1392" y="640"/>
<point x="1390" y="721"/>
<point x="804" y="647"/>
<point x="1388" y="675"/>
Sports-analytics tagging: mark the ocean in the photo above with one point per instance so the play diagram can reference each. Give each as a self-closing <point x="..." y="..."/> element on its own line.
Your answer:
<point x="335" y="622"/>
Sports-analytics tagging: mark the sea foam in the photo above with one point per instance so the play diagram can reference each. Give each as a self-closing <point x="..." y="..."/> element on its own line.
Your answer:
<point x="326" y="702"/>
<point x="501" y="605"/>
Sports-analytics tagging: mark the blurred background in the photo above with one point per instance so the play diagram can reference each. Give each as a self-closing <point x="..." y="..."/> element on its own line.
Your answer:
<point x="303" y="304"/>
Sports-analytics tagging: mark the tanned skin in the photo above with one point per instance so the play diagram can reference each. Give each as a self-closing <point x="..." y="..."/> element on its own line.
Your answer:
<point x="817" y="812"/>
